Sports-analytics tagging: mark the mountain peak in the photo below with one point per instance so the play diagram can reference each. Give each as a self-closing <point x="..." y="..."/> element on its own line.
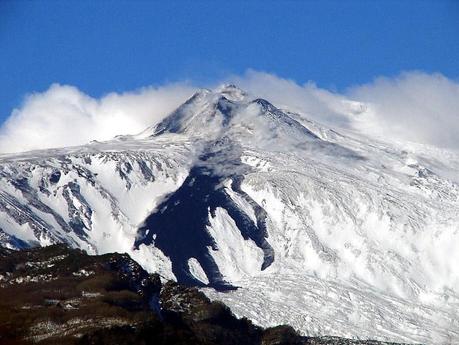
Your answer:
<point x="231" y="92"/>
<point x="227" y="108"/>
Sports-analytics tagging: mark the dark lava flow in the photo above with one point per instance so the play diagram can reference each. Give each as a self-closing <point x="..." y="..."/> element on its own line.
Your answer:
<point x="178" y="225"/>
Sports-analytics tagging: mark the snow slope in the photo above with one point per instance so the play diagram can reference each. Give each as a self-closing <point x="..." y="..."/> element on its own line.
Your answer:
<point x="328" y="231"/>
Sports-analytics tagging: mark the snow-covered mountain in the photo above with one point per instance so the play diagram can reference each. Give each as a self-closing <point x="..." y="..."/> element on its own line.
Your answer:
<point x="328" y="231"/>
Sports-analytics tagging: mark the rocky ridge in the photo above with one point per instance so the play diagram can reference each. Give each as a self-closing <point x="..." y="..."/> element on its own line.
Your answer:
<point x="57" y="295"/>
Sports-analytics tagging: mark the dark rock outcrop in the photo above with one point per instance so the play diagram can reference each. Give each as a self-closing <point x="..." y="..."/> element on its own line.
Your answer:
<point x="57" y="295"/>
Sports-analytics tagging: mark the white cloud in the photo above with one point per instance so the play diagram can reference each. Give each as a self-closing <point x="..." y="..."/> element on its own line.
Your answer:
<point x="65" y="116"/>
<point x="414" y="106"/>
<point x="316" y="103"/>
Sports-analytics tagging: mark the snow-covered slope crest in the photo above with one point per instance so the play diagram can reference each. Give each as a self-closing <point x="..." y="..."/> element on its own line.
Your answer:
<point x="92" y="197"/>
<point x="329" y="231"/>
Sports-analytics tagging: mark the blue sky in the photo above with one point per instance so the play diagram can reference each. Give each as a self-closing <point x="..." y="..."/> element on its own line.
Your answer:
<point x="116" y="46"/>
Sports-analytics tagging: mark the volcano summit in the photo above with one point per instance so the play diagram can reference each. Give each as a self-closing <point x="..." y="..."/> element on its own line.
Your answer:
<point x="283" y="219"/>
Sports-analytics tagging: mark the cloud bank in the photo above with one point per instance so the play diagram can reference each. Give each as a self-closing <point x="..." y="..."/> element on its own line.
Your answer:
<point x="65" y="116"/>
<point x="413" y="106"/>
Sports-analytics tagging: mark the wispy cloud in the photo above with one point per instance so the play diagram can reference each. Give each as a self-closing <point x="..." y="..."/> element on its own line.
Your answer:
<point x="413" y="106"/>
<point x="65" y="116"/>
<point x="316" y="103"/>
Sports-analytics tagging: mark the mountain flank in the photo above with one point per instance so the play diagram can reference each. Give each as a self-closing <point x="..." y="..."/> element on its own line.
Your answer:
<point x="57" y="295"/>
